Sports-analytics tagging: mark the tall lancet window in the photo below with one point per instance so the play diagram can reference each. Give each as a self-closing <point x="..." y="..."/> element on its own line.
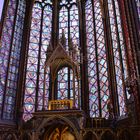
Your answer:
<point x="98" y="68"/>
<point x="40" y="35"/>
<point x="97" y="60"/>
<point x="10" y="50"/>
<point x="69" y="23"/>
<point x="118" y="46"/>
<point x="69" y="20"/>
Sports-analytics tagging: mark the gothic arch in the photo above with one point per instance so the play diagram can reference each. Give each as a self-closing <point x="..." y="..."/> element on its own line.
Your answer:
<point x="108" y="135"/>
<point x="90" y="134"/>
<point x="46" y="121"/>
<point x="125" y="134"/>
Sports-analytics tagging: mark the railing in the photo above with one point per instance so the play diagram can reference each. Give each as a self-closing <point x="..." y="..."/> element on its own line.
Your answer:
<point x="97" y="122"/>
<point x="60" y="104"/>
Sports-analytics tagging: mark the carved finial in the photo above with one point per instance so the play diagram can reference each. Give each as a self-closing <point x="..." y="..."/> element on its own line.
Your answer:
<point x="63" y="38"/>
<point x="128" y="85"/>
<point x="49" y="50"/>
<point x="77" y="52"/>
<point x="110" y="108"/>
<point x="70" y="44"/>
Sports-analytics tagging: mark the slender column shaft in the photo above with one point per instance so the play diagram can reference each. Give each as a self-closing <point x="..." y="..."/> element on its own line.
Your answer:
<point x="73" y="88"/>
<point x="44" y="88"/>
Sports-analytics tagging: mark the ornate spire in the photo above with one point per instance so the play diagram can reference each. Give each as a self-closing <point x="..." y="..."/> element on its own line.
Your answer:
<point x="49" y="50"/>
<point x="63" y="38"/>
<point x="70" y="44"/>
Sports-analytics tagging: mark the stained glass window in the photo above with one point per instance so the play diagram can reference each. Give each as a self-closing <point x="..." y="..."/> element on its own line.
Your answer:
<point x="10" y="56"/>
<point x="62" y="84"/>
<point x="63" y="92"/>
<point x="63" y="23"/>
<point x="99" y="94"/>
<point x="69" y="22"/>
<point x="97" y="61"/>
<point x="100" y="50"/>
<point x="119" y="53"/>
<point x="40" y="34"/>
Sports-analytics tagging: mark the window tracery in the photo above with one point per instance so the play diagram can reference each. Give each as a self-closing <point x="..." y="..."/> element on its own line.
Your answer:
<point x="40" y="35"/>
<point x="69" y="24"/>
<point x="118" y="47"/>
<point x="97" y="61"/>
<point x="10" y="56"/>
<point x="100" y="94"/>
